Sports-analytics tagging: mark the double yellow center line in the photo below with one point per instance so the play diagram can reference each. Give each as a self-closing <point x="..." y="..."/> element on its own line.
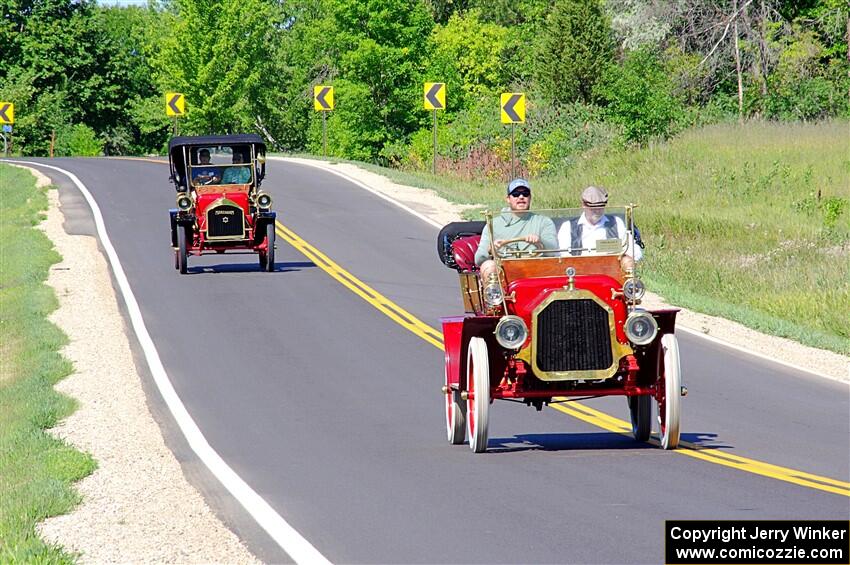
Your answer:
<point x="574" y="409"/>
<point x="361" y="289"/>
<point x="710" y="454"/>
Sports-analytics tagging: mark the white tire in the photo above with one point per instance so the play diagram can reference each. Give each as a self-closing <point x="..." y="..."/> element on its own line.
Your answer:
<point x="455" y="414"/>
<point x="669" y="409"/>
<point x="478" y="384"/>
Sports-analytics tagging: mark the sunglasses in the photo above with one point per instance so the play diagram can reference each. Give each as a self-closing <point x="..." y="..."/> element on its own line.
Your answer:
<point x="521" y="192"/>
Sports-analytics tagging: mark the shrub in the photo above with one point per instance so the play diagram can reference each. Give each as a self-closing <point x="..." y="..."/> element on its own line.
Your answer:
<point x="468" y="57"/>
<point x="638" y="96"/>
<point x="801" y="87"/>
<point x="77" y="140"/>
<point x="476" y="144"/>
<point x="574" y="47"/>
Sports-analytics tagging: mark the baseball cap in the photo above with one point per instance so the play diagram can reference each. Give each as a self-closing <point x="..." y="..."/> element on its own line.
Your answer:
<point x="593" y="197"/>
<point x="517" y="183"/>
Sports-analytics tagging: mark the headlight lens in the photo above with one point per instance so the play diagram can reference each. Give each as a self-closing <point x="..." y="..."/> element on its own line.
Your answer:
<point x="634" y="289"/>
<point x="641" y="328"/>
<point x="264" y="201"/>
<point x="511" y="332"/>
<point x="184" y="202"/>
<point x="493" y="293"/>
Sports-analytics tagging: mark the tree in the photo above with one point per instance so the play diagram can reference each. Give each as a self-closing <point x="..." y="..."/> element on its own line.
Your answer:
<point x="638" y="95"/>
<point x="524" y="20"/>
<point x="379" y="48"/>
<point x="574" y="48"/>
<point x="53" y="55"/>
<point x="467" y="55"/>
<point x="132" y="35"/>
<point x="217" y="56"/>
<point x="443" y="10"/>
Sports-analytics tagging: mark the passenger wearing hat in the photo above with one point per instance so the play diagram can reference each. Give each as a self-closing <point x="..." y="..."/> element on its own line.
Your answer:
<point x="514" y="222"/>
<point x="581" y="234"/>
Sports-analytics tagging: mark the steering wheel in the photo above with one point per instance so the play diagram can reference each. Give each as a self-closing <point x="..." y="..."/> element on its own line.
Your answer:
<point x="519" y="252"/>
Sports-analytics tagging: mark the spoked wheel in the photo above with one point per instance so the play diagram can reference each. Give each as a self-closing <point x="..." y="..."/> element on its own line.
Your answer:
<point x="270" y="235"/>
<point x="455" y="414"/>
<point x="640" y="409"/>
<point x="669" y="396"/>
<point x="478" y="385"/>
<point x="182" y="263"/>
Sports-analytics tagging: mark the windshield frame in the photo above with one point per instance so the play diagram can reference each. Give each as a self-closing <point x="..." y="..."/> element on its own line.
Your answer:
<point x="222" y="151"/>
<point x="561" y="217"/>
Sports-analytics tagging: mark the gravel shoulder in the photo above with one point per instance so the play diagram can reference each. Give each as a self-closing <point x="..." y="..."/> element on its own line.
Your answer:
<point x="137" y="506"/>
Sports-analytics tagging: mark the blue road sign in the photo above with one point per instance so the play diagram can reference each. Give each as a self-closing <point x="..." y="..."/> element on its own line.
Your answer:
<point x="7" y="128"/>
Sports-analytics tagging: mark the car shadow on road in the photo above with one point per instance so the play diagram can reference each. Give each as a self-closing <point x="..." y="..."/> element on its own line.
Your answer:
<point x="706" y="440"/>
<point x="595" y="441"/>
<point x="229" y="268"/>
<point x="566" y="442"/>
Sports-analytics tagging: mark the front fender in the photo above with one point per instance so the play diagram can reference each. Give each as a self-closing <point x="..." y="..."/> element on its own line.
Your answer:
<point x="648" y="357"/>
<point x="457" y="332"/>
<point x="263" y="219"/>
<point x="176" y="219"/>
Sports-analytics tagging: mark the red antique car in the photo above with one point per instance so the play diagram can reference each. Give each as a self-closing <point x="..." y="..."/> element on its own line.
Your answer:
<point x="555" y="326"/>
<point x="220" y="206"/>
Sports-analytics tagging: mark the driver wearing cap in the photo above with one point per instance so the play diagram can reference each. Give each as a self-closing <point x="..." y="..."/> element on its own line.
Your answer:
<point x="581" y="234"/>
<point x="515" y="221"/>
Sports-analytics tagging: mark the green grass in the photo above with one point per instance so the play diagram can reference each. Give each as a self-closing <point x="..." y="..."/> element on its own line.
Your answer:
<point x="749" y="222"/>
<point x="36" y="469"/>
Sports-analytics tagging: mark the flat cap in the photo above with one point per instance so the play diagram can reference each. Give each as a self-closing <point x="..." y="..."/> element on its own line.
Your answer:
<point x="518" y="183"/>
<point x="594" y="196"/>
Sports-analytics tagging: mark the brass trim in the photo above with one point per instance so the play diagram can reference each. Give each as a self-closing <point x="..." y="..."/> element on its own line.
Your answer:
<point x="525" y="353"/>
<point x="257" y="196"/>
<point x="618" y="350"/>
<point x="472" y="300"/>
<point x="187" y="195"/>
<point x="217" y="204"/>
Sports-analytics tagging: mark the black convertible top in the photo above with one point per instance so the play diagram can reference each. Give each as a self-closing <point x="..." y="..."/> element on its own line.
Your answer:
<point x="191" y="140"/>
<point x="179" y="148"/>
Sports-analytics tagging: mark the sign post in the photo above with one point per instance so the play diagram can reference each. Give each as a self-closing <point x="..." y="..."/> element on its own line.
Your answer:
<point x="175" y="106"/>
<point x="7" y="118"/>
<point x="513" y="112"/>
<point x="323" y="101"/>
<point x="435" y="99"/>
<point x="7" y="147"/>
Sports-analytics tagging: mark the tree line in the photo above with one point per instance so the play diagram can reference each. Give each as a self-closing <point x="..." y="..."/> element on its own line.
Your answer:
<point x="90" y="79"/>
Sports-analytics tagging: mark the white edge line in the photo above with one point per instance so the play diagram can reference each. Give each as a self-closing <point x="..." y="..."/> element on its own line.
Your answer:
<point x="725" y="343"/>
<point x="293" y="543"/>
<point x="326" y="167"/>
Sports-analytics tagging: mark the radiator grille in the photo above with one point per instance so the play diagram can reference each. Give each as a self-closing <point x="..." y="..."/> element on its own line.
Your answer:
<point x="573" y="335"/>
<point x="225" y="221"/>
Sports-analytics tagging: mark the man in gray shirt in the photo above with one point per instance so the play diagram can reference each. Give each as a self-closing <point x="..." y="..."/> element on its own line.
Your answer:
<point x="515" y="221"/>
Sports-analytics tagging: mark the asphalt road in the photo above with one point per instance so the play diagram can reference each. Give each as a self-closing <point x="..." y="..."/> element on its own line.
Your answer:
<point x="332" y="412"/>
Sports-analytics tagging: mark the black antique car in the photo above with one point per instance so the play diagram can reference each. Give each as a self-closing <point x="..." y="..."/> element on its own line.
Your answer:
<point x="220" y="206"/>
